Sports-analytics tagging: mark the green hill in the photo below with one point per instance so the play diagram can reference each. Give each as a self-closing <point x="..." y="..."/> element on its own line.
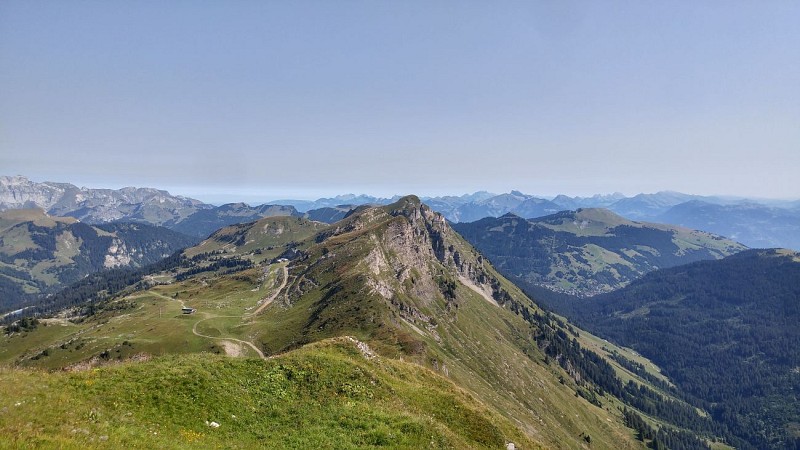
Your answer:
<point x="588" y="251"/>
<point x="205" y="221"/>
<point x="263" y="236"/>
<point x="330" y="214"/>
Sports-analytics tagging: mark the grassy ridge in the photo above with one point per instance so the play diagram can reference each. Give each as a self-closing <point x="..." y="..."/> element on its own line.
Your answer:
<point x="326" y="395"/>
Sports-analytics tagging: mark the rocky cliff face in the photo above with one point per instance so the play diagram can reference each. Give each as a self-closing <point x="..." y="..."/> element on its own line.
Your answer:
<point x="413" y="251"/>
<point x="19" y="192"/>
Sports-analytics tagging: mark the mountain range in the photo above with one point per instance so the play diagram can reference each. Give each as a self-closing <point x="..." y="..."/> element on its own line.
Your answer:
<point x="752" y="222"/>
<point x="143" y="205"/>
<point x="385" y="328"/>
<point x="758" y="225"/>
<point x="755" y="223"/>
<point x="148" y="205"/>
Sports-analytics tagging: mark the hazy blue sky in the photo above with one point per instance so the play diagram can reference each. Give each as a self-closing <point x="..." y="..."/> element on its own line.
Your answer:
<point x="256" y="100"/>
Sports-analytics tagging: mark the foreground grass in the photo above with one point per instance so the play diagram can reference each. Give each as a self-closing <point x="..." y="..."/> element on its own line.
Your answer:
<point x="325" y="395"/>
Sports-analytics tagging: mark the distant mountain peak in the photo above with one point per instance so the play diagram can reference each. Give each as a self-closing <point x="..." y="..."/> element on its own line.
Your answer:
<point x="237" y="205"/>
<point x="599" y="214"/>
<point x="409" y="199"/>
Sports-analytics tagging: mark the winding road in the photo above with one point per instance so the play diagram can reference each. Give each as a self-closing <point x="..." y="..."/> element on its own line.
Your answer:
<point x="263" y="305"/>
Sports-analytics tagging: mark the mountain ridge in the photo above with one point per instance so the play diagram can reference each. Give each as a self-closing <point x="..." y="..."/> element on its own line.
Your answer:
<point x="587" y="251"/>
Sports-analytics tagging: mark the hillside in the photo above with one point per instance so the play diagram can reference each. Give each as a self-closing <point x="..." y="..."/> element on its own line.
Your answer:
<point x="262" y="236"/>
<point x="724" y="331"/>
<point x="329" y="214"/>
<point x="327" y="395"/>
<point x="588" y="251"/>
<point x="40" y="254"/>
<point x="397" y="278"/>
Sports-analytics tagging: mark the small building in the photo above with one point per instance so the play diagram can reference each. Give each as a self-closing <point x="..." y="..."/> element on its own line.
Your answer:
<point x="188" y="310"/>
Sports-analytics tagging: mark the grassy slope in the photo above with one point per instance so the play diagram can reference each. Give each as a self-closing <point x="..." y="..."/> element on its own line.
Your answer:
<point x="325" y="395"/>
<point x="152" y="323"/>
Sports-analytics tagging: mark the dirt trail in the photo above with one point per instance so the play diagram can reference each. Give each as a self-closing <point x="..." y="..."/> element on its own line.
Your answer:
<point x="265" y="303"/>
<point x="275" y="295"/>
<point x="248" y="343"/>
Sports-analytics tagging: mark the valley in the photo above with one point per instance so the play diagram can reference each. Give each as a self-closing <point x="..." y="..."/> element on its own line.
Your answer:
<point x="724" y="331"/>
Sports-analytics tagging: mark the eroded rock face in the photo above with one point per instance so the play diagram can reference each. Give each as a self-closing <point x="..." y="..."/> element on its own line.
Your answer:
<point x="118" y="255"/>
<point x="417" y="253"/>
<point x="19" y="192"/>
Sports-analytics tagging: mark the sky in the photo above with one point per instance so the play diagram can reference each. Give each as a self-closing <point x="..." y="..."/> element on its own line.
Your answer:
<point x="259" y="100"/>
